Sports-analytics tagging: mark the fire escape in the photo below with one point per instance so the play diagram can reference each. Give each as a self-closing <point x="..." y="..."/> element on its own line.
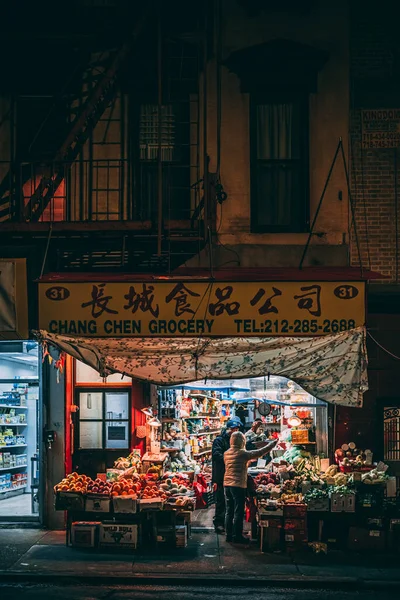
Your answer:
<point x="144" y="209"/>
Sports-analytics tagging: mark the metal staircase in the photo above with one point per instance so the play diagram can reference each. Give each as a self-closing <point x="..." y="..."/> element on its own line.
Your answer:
<point x="98" y="91"/>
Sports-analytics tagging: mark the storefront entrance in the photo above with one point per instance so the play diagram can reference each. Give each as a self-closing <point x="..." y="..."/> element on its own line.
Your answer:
<point x="20" y="431"/>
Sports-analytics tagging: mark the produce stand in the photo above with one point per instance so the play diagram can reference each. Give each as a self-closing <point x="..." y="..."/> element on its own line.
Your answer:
<point x="298" y="500"/>
<point x="127" y="508"/>
<point x="298" y="504"/>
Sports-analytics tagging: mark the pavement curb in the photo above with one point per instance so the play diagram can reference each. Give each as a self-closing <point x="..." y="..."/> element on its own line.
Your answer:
<point x="207" y="580"/>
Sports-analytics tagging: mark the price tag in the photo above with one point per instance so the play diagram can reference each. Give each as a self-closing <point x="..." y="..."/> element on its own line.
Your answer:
<point x="374" y="533"/>
<point x="261" y="463"/>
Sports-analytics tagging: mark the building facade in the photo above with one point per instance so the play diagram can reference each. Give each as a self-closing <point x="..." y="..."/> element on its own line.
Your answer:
<point x="226" y="136"/>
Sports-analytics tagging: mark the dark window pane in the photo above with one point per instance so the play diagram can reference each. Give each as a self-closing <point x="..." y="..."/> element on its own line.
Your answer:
<point x="279" y="201"/>
<point x="279" y="162"/>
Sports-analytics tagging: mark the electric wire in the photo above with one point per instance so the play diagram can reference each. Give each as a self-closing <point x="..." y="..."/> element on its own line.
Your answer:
<point x="382" y="347"/>
<point x="396" y="216"/>
<point x="365" y="206"/>
<point x="354" y="173"/>
<point x="351" y="205"/>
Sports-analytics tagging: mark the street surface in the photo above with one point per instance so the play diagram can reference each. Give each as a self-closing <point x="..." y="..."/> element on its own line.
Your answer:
<point x="49" y="592"/>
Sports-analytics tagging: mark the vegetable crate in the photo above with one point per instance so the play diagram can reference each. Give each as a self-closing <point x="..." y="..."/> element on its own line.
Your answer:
<point x="295" y="511"/>
<point x="318" y="505"/>
<point x="343" y="502"/>
<point x="69" y="501"/>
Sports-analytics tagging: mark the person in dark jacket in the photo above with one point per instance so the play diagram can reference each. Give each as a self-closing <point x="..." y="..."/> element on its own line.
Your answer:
<point x="219" y="447"/>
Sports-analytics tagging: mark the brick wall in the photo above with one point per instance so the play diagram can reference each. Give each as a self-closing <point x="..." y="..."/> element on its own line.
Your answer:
<point x="375" y="174"/>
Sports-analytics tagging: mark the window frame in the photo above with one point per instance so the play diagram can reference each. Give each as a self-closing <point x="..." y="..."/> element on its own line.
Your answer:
<point x="103" y="390"/>
<point x="303" y="100"/>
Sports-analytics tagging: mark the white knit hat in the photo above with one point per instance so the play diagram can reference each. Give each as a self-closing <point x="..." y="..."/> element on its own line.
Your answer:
<point x="237" y="440"/>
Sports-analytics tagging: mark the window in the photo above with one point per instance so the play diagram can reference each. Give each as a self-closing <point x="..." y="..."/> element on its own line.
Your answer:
<point x="103" y="420"/>
<point x="391" y="439"/>
<point x="85" y="374"/>
<point x="279" y="164"/>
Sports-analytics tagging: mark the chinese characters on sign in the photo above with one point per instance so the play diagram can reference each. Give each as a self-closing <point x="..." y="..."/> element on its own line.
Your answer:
<point x="201" y="308"/>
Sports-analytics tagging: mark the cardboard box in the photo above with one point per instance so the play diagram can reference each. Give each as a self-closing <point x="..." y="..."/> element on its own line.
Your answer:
<point x="343" y="503"/>
<point x="185" y="518"/>
<point x="69" y="501"/>
<point x="295" y="511"/>
<point x="114" y="535"/>
<point x="151" y="503"/>
<point x="181" y="536"/>
<point x="295" y="525"/>
<point x="318" y="505"/>
<point x="391" y="487"/>
<point x="361" y="539"/>
<point x="295" y="538"/>
<point x="85" y="534"/>
<point x="97" y="503"/>
<point x="124" y="504"/>
<point x="270" y="539"/>
<point x="272" y="522"/>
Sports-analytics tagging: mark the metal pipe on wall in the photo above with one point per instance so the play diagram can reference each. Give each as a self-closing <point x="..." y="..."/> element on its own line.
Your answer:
<point x="205" y="155"/>
<point x="159" y="157"/>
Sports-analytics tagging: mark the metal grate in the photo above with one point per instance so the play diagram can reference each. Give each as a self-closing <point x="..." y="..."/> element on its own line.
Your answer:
<point x="391" y="421"/>
<point x="149" y="126"/>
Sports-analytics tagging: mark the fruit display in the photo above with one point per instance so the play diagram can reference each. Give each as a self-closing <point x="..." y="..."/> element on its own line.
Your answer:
<point x="98" y="486"/>
<point x="375" y="476"/>
<point x="131" y="462"/>
<point x="73" y="483"/>
<point x="292" y="498"/>
<point x="173" y="487"/>
<point x="126" y="487"/>
<point x="349" y="456"/>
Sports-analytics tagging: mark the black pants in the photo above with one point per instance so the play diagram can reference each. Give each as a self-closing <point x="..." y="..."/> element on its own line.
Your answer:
<point x="219" y="517"/>
<point x="235" y="498"/>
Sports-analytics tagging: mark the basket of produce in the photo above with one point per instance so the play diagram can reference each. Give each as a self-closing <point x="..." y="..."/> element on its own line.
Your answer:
<point x="343" y="499"/>
<point x="69" y="493"/>
<point x="317" y="500"/>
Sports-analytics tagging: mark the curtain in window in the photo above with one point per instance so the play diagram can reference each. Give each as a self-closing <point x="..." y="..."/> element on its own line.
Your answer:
<point x="278" y="184"/>
<point x="275" y="131"/>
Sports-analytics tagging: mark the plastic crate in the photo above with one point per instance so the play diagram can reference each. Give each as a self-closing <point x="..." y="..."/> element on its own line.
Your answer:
<point x="318" y="505"/>
<point x="209" y="498"/>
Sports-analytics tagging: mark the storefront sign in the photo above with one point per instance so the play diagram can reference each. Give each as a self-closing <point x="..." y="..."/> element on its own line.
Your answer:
<point x="208" y="309"/>
<point x="381" y="128"/>
<point x="13" y="299"/>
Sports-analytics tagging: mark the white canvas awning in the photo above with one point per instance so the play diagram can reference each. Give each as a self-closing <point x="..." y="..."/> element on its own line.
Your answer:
<point x="332" y="367"/>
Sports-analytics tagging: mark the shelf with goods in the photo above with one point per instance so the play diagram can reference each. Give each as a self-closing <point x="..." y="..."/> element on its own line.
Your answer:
<point x="13" y="468"/>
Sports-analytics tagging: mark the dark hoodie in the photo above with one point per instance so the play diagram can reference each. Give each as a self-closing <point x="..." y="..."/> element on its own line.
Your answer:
<point x="219" y="447"/>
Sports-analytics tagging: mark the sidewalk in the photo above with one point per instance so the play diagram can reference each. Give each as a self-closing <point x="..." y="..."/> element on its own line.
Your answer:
<point x="36" y="554"/>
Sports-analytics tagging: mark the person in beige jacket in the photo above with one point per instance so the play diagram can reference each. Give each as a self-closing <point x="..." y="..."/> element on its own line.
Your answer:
<point x="236" y="460"/>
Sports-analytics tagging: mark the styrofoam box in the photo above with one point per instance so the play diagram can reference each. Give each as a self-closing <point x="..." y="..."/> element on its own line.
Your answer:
<point x="124" y="504"/>
<point x="118" y="535"/>
<point x="84" y="534"/>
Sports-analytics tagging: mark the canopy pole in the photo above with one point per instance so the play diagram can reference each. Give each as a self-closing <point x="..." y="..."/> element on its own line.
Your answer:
<point x="339" y="147"/>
